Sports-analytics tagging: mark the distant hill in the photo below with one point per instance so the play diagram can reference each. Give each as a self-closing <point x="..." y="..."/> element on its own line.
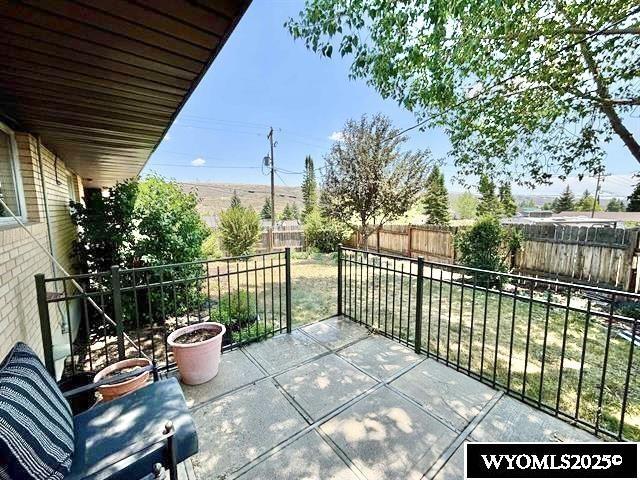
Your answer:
<point x="215" y="197"/>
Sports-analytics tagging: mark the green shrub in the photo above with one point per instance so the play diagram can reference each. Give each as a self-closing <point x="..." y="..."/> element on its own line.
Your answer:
<point x="322" y="233"/>
<point x="239" y="230"/>
<point x="210" y="248"/>
<point x="487" y="245"/>
<point x="238" y="313"/>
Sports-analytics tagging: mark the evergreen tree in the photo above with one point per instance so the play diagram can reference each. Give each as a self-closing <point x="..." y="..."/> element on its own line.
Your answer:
<point x="287" y="213"/>
<point x="295" y="212"/>
<point x="587" y="202"/>
<point x="235" y="200"/>
<point x="265" y="213"/>
<point x="488" y="204"/>
<point x="436" y="200"/>
<point x="565" y="202"/>
<point x="309" y="187"/>
<point x="507" y="202"/>
<point x="615" y="205"/>
<point x="634" y="200"/>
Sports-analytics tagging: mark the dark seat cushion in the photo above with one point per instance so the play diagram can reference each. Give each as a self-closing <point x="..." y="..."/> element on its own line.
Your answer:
<point x="106" y="431"/>
<point x="36" y="425"/>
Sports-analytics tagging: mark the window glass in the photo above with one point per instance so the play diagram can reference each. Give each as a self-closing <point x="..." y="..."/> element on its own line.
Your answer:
<point x="8" y="187"/>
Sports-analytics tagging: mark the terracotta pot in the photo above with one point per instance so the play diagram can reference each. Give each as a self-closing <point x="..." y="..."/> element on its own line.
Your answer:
<point x="115" y="390"/>
<point x="197" y="362"/>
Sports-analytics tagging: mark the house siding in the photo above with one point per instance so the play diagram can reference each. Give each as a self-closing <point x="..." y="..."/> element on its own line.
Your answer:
<point x="21" y="258"/>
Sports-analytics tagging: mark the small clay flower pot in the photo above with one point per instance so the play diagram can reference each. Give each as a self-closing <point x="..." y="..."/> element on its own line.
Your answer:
<point x="115" y="390"/>
<point x="197" y="360"/>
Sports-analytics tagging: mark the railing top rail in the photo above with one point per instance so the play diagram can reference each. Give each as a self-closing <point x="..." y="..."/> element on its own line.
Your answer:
<point x="453" y="266"/>
<point x="242" y="258"/>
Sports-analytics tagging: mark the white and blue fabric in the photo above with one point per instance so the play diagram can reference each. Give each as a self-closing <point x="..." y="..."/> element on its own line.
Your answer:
<point x="36" y="423"/>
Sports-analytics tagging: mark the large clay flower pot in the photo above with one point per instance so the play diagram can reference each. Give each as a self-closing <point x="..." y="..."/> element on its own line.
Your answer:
<point x="115" y="390"/>
<point x="197" y="360"/>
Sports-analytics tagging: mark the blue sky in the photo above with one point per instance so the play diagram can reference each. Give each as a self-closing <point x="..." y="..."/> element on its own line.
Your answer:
<point x="263" y="78"/>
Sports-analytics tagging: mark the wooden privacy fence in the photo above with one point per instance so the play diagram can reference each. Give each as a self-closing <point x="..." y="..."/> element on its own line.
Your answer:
<point x="594" y="255"/>
<point x="292" y="237"/>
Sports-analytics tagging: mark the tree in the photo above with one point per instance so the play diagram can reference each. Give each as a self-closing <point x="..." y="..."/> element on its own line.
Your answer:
<point x="322" y="233"/>
<point x="489" y="203"/>
<point x="266" y="211"/>
<point x="295" y="211"/>
<point x="540" y="86"/>
<point x="436" y="199"/>
<point x="633" y="204"/>
<point x="309" y="187"/>
<point x="288" y="213"/>
<point x="587" y="203"/>
<point x="565" y="202"/>
<point x="615" y="205"/>
<point x="239" y="230"/>
<point x="507" y="202"/>
<point x="465" y="206"/>
<point x="235" y="200"/>
<point x="368" y="180"/>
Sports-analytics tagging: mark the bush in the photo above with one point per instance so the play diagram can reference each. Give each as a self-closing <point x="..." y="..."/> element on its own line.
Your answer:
<point x="487" y="245"/>
<point x="238" y="314"/>
<point x="211" y="246"/>
<point x="322" y="233"/>
<point x="239" y="231"/>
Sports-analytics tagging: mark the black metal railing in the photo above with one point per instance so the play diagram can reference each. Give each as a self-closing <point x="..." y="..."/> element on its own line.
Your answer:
<point x="563" y="348"/>
<point x="130" y="312"/>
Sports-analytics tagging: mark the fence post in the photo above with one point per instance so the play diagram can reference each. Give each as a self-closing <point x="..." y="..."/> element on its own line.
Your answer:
<point x="339" y="279"/>
<point x="419" y="298"/>
<point x="287" y="276"/>
<point x="117" y="309"/>
<point x="45" y="324"/>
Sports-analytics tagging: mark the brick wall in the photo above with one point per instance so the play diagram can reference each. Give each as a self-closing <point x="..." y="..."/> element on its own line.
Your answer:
<point x="21" y="258"/>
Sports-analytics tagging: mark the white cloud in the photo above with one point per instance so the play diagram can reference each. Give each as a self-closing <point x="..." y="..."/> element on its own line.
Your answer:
<point x="336" y="136"/>
<point x="198" y="162"/>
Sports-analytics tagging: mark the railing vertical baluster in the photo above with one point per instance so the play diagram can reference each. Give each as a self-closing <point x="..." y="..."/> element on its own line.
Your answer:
<point x="473" y="314"/>
<point x="255" y="291"/>
<point x="360" y="287"/>
<point x="401" y="302"/>
<point x="563" y="350"/>
<point x="513" y="328"/>
<point x="163" y="312"/>
<point x="439" y="315"/>
<point x="605" y="361"/>
<point x="393" y="300"/>
<point x="386" y="295"/>
<point x="134" y="292"/>
<point x="379" y="289"/>
<point x="85" y="311"/>
<point x="45" y="324"/>
<point x="280" y="289"/>
<point x="582" y="357"/>
<point x="410" y="276"/>
<point x="419" y="298"/>
<point x="449" y="312"/>
<point x="625" y="395"/>
<point x="497" y="345"/>
<point x="340" y="279"/>
<point x="246" y="270"/>
<point x="151" y="322"/>
<point x="430" y="302"/>
<point x="366" y="293"/>
<point x="526" y="347"/>
<point x="460" y="320"/>
<point x="117" y="309"/>
<point x="287" y="256"/>
<point x="544" y="347"/>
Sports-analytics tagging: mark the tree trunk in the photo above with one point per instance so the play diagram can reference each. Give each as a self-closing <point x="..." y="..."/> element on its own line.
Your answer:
<point x="606" y="107"/>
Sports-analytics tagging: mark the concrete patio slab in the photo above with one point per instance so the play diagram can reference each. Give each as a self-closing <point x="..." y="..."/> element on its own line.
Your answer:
<point x="235" y="371"/>
<point x="308" y="458"/>
<point x="240" y="426"/>
<point x="450" y="395"/>
<point x="513" y="421"/>
<point x="388" y="437"/>
<point x="379" y="356"/>
<point x="336" y="332"/>
<point x="454" y="468"/>
<point x="324" y="384"/>
<point x="285" y="351"/>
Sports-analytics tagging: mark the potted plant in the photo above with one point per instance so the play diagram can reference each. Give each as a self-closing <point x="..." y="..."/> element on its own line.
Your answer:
<point x="196" y="350"/>
<point x="115" y="390"/>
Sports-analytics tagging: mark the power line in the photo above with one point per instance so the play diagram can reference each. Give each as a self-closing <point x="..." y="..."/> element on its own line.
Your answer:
<point x="515" y="75"/>
<point x="203" y="166"/>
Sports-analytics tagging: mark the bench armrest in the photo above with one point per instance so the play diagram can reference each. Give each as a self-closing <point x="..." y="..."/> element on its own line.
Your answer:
<point x="115" y="379"/>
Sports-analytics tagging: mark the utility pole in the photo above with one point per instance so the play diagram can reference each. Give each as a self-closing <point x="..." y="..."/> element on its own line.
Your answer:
<point x="596" y="199"/>
<point x="273" y="189"/>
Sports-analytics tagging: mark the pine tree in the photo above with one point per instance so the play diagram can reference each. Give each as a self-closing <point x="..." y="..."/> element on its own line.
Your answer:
<point x="634" y="200"/>
<point x="309" y="187"/>
<point x="587" y="203"/>
<point x="488" y="204"/>
<point x="615" y="205"/>
<point x="235" y="200"/>
<point x="265" y="213"/>
<point x="565" y="202"/>
<point x="507" y="202"/>
<point x="287" y="213"/>
<point x="295" y="212"/>
<point x="436" y="199"/>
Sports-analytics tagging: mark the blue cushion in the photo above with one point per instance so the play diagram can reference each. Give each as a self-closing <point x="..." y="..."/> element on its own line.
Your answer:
<point x="106" y="431"/>
<point x="36" y="424"/>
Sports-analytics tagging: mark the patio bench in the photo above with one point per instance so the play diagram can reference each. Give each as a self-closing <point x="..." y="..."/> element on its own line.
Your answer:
<point x="132" y="437"/>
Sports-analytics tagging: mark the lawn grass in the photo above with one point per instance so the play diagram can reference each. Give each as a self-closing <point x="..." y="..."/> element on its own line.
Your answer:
<point x="509" y="342"/>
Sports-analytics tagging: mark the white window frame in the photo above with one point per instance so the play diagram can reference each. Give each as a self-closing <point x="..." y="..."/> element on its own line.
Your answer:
<point x="17" y="177"/>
